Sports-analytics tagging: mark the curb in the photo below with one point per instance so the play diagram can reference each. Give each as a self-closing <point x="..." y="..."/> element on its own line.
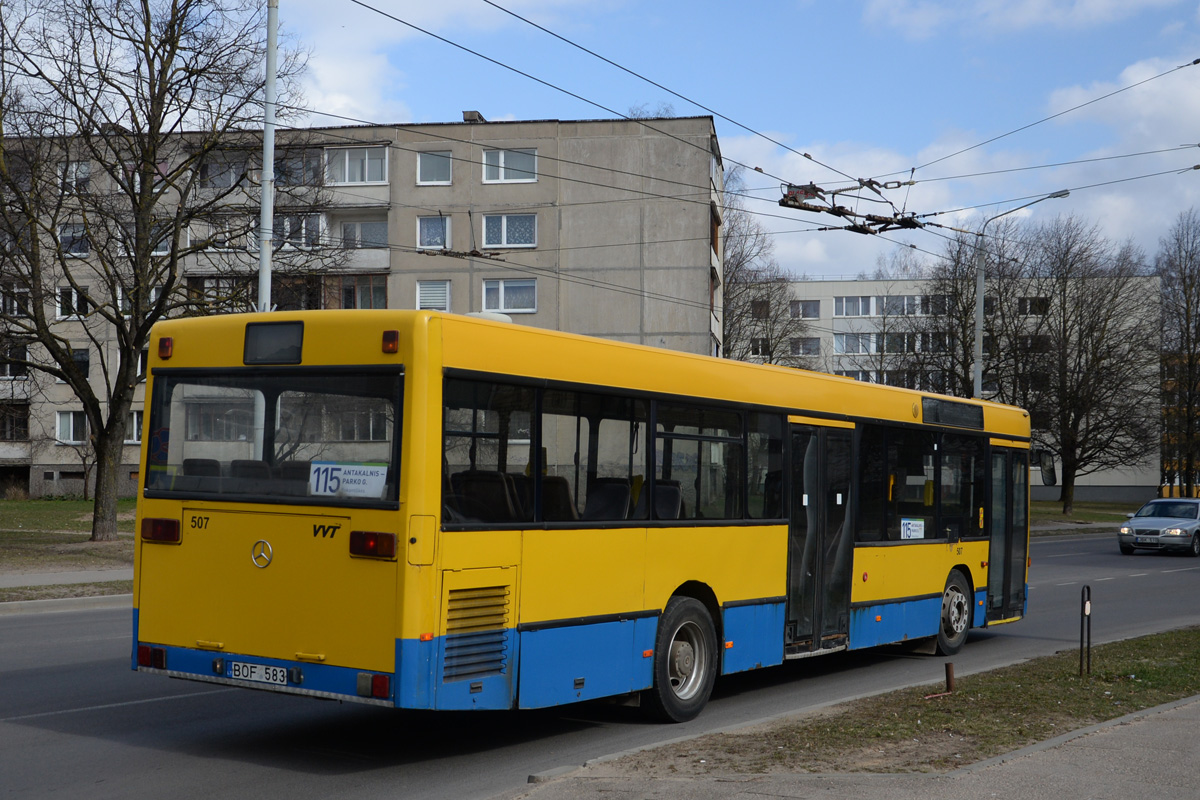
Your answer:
<point x="108" y="601"/>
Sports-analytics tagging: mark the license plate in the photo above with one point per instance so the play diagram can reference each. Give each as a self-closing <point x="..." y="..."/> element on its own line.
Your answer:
<point x="1144" y="540"/>
<point x="258" y="673"/>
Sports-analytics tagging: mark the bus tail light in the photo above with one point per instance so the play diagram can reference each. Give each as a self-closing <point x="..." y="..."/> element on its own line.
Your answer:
<point x="154" y="657"/>
<point x="374" y="685"/>
<point x="372" y="544"/>
<point x="166" y="346"/>
<point x="164" y="531"/>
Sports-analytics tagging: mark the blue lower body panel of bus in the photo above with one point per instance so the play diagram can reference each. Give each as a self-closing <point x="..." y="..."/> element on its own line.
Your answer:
<point x="886" y="623"/>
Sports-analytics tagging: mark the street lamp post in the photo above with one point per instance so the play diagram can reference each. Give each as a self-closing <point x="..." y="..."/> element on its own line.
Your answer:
<point x="978" y="368"/>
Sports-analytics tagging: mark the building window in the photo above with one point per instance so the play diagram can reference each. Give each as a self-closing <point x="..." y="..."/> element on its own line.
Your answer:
<point x="72" y="303"/>
<point x="83" y="361"/>
<point x="760" y="346"/>
<point x="12" y="361"/>
<point x="433" y="233"/>
<point x="365" y="234"/>
<point x="297" y="230"/>
<point x="133" y="427"/>
<point x="511" y="296"/>
<point x="510" y="230"/>
<point x="434" y="168"/>
<point x="296" y="292"/>
<point x="222" y="171"/>
<point x="126" y="299"/>
<point x="302" y="168"/>
<point x="230" y="233"/>
<point x="72" y="427"/>
<point x="901" y="305"/>
<point x="934" y="342"/>
<point x="14" y="301"/>
<point x="1033" y="306"/>
<point x="356" y="291"/>
<point x="899" y="343"/>
<point x="230" y="294"/>
<point x="805" y="309"/>
<point x="852" y="343"/>
<point x="357" y="165"/>
<point x="360" y="425"/>
<point x="509" y="166"/>
<point x="143" y="364"/>
<point x="760" y="309"/>
<point x="863" y="375"/>
<point x="162" y="235"/>
<point x="14" y="422"/>
<point x="433" y="295"/>
<point x="934" y="305"/>
<point x="852" y="306"/>
<point x="220" y="422"/>
<point x="76" y="176"/>
<point x="806" y="346"/>
<point x="73" y="240"/>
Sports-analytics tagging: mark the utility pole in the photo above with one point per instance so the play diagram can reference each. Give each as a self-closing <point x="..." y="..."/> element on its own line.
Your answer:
<point x="266" y="224"/>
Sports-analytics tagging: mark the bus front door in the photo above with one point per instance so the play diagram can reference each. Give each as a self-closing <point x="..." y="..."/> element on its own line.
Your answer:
<point x="1009" y="546"/>
<point x="820" y="541"/>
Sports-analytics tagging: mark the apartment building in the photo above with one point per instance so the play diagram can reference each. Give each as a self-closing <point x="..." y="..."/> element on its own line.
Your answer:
<point x="898" y="332"/>
<point x="603" y="227"/>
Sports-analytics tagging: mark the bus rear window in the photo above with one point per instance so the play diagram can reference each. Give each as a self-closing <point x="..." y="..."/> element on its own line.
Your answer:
<point x="275" y="436"/>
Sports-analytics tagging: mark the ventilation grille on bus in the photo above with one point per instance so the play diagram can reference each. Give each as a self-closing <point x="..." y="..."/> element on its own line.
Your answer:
<point x="476" y="633"/>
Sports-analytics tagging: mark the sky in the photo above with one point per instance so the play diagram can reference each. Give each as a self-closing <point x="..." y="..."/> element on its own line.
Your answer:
<point x="934" y="91"/>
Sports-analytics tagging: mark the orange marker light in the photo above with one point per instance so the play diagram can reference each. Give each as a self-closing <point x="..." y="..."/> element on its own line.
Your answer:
<point x="166" y="346"/>
<point x="391" y="341"/>
<point x="647" y="654"/>
<point x="879" y="618"/>
<point x="729" y="645"/>
<point x="426" y="637"/>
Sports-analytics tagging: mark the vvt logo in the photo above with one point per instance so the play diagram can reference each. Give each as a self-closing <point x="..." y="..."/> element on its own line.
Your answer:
<point x="325" y="530"/>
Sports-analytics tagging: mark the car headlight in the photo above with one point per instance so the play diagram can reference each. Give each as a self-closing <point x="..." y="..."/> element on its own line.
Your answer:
<point x="1125" y="529"/>
<point x="1174" y="531"/>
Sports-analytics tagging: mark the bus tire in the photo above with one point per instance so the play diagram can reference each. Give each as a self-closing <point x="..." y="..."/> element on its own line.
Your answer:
<point x="685" y="661"/>
<point x="955" y="618"/>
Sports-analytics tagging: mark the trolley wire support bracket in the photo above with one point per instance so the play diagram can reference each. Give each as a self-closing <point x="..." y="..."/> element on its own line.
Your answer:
<point x="1085" y="629"/>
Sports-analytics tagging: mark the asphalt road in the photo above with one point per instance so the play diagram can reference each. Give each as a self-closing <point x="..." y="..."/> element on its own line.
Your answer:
<point x="75" y="721"/>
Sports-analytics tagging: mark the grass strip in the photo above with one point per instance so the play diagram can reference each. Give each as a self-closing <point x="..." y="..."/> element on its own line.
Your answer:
<point x="62" y="590"/>
<point x="989" y="714"/>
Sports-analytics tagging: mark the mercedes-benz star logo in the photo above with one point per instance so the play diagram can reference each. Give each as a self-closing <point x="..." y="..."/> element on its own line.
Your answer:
<point x="261" y="554"/>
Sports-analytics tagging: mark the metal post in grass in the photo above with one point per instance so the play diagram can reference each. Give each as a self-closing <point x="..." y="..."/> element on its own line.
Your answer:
<point x="1085" y="629"/>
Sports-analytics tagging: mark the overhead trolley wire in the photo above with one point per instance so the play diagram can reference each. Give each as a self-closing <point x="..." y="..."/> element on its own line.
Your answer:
<point x="669" y="90"/>
<point x="1047" y="119"/>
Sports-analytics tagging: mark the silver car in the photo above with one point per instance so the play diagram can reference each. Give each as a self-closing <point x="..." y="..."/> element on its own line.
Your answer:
<point x="1168" y="524"/>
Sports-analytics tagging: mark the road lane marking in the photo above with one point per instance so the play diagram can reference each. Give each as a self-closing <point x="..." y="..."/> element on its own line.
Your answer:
<point x="1139" y="574"/>
<point x="1072" y="583"/>
<point x="1184" y="569"/>
<point x="113" y="705"/>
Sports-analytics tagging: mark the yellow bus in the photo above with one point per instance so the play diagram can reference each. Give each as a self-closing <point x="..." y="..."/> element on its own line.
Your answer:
<point x="434" y="511"/>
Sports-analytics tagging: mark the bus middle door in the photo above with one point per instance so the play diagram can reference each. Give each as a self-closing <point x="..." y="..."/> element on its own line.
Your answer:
<point x="820" y="542"/>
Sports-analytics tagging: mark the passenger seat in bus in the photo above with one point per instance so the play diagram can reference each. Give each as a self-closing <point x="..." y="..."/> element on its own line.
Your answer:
<point x="199" y="475"/>
<point x="483" y="495"/>
<point x="608" y="498"/>
<point x="668" y="501"/>
<point x="556" y="499"/>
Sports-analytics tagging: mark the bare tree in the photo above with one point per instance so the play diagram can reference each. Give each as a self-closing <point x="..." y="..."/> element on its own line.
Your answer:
<point x="127" y="145"/>
<point x="1102" y="336"/>
<point x="760" y="321"/>
<point x="1178" y="267"/>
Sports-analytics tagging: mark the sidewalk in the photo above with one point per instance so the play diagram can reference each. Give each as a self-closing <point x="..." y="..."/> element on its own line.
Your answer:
<point x="11" y="580"/>
<point x="1152" y="753"/>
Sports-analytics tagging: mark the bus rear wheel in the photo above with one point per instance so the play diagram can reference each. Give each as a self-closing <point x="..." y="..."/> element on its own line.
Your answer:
<point x="956" y="615"/>
<point x="685" y="661"/>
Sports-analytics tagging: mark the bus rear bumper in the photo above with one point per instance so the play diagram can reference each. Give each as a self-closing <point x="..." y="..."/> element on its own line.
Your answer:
<point x="274" y="675"/>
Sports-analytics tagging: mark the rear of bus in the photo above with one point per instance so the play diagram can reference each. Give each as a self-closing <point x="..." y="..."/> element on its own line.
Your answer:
<point x="269" y="515"/>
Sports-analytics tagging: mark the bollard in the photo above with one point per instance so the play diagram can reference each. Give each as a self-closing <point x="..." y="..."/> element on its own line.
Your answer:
<point x="1085" y="629"/>
<point x="949" y="677"/>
